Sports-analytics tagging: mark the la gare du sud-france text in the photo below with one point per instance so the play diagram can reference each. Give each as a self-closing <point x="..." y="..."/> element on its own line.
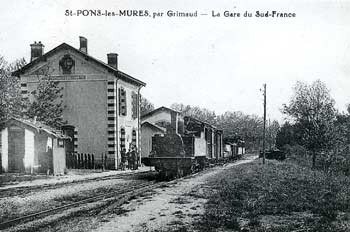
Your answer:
<point x="172" y="13"/>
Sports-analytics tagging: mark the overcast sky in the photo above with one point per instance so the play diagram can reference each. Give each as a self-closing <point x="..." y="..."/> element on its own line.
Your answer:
<point x="218" y="63"/>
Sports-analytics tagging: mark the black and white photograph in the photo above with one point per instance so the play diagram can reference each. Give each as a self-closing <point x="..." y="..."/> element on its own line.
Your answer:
<point x="175" y="116"/>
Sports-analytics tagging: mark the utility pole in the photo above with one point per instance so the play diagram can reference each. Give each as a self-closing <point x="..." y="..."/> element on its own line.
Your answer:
<point x="264" y="123"/>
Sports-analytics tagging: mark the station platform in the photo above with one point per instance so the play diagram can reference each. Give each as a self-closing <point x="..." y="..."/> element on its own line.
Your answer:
<point x="15" y="180"/>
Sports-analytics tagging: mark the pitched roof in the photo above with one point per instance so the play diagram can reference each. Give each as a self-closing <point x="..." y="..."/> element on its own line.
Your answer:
<point x="202" y="122"/>
<point x="38" y="126"/>
<point x="162" y="108"/>
<point x="154" y="126"/>
<point x="63" y="46"/>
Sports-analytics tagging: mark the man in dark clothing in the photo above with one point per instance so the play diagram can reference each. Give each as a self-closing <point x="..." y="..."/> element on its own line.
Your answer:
<point x="123" y="159"/>
<point x="128" y="158"/>
<point x="133" y="159"/>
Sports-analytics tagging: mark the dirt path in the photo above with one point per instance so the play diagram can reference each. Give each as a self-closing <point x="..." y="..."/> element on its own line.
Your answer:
<point x="174" y="208"/>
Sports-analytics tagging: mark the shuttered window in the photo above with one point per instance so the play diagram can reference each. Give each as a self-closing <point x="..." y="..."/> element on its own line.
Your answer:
<point x="135" y="105"/>
<point x="122" y="138"/>
<point x="133" y="140"/>
<point x="122" y="102"/>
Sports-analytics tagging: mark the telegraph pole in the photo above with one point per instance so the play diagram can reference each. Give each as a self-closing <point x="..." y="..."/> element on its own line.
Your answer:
<point x="264" y="123"/>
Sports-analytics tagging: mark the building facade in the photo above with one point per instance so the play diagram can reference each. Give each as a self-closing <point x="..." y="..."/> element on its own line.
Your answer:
<point x="101" y="103"/>
<point x="31" y="147"/>
<point x="148" y="130"/>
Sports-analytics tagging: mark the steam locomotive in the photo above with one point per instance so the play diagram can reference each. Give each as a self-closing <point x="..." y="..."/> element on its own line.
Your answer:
<point x="189" y="145"/>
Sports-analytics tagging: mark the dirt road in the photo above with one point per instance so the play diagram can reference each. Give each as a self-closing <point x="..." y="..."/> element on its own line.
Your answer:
<point x="174" y="208"/>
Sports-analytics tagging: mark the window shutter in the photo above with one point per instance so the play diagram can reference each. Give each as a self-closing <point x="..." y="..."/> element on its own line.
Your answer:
<point x="124" y="97"/>
<point x="134" y="105"/>
<point x="134" y="137"/>
<point x="122" y="138"/>
<point x="122" y="102"/>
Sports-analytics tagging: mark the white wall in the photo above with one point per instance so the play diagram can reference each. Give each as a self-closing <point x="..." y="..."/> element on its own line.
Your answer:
<point x="127" y="122"/>
<point x="4" y="149"/>
<point x="200" y="145"/>
<point x="28" y="160"/>
<point x="241" y="150"/>
<point x="59" y="158"/>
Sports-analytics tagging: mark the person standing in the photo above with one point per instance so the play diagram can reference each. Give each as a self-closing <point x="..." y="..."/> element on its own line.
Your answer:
<point x="133" y="158"/>
<point x="123" y="159"/>
<point x="128" y="158"/>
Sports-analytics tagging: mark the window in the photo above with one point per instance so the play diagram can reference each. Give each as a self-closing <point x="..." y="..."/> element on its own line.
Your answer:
<point x="60" y="143"/>
<point x="135" y="105"/>
<point x="122" y="139"/>
<point x="122" y="102"/>
<point x="133" y="139"/>
<point x="67" y="65"/>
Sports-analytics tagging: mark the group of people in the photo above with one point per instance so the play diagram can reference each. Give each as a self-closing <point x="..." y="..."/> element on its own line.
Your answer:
<point x="129" y="159"/>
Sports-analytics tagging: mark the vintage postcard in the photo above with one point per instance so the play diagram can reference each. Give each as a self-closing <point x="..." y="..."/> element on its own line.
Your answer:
<point x="155" y="115"/>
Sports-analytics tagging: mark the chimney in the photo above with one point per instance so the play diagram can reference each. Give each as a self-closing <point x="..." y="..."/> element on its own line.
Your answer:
<point x="83" y="44"/>
<point x="36" y="50"/>
<point x="112" y="59"/>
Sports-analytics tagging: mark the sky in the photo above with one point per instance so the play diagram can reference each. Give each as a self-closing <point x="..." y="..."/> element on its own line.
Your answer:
<point x="218" y="63"/>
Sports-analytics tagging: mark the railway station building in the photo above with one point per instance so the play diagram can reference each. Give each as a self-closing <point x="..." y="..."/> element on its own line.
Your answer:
<point x="102" y="103"/>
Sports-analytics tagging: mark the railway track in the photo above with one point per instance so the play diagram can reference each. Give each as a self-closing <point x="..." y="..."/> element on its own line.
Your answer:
<point x="119" y="195"/>
<point x="14" y="191"/>
<point x="125" y="193"/>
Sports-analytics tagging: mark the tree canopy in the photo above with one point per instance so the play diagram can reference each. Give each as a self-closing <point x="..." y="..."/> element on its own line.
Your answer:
<point x="146" y="106"/>
<point x="47" y="104"/>
<point x="11" y="102"/>
<point x="313" y="112"/>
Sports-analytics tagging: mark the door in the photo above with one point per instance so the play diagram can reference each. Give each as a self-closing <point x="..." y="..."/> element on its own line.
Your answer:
<point x="16" y="149"/>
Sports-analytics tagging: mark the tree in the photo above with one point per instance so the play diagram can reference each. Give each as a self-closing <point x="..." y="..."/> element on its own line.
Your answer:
<point x="313" y="112"/>
<point x="287" y="135"/>
<point x="11" y="102"/>
<point x="202" y="114"/>
<point x="342" y="126"/>
<point x="271" y="133"/>
<point x="248" y="127"/>
<point x="47" y="105"/>
<point x="146" y="106"/>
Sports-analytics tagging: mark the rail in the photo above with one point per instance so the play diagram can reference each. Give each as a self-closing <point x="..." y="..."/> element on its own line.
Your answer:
<point x="119" y="193"/>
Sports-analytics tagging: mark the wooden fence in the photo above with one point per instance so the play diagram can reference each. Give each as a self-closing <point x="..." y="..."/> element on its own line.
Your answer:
<point x="89" y="161"/>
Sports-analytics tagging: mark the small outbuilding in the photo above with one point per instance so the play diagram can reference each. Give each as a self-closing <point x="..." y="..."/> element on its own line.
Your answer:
<point x="29" y="146"/>
<point x="148" y="130"/>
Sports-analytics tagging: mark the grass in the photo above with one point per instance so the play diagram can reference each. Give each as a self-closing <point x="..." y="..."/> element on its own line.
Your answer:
<point x="276" y="197"/>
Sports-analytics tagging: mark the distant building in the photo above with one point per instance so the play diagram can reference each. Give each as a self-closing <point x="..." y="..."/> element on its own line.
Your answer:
<point x="29" y="146"/>
<point x="163" y="117"/>
<point x="148" y="130"/>
<point x="102" y="106"/>
<point x="159" y="121"/>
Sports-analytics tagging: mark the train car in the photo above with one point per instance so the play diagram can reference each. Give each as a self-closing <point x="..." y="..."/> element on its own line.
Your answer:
<point x="234" y="148"/>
